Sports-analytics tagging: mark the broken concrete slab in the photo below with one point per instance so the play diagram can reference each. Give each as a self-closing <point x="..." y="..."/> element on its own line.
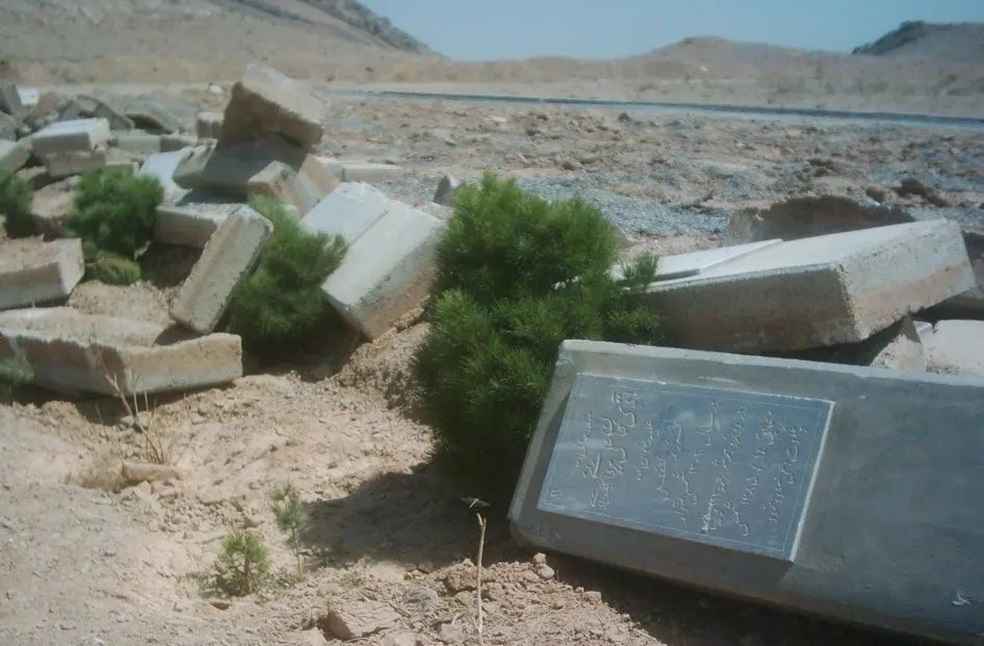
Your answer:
<point x="807" y="217"/>
<point x="192" y="225"/>
<point x="79" y="353"/>
<point x="33" y="272"/>
<point x="152" y="115"/>
<point x="348" y="211"/>
<point x="814" y="292"/>
<point x="229" y="256"/>
<point x="361" y="171"/>
<point x="301" y="191"/>
<point x="389" y="266"/>
<point x="793" y="483"/>
<point x="956" y="348"/>
<point x="898" y="347"/>
<point x="141" y="143"/>
<point x="81" y="135"/>
<point x="693" y="263"/>
<point x="97" y="108"/>
<point x="163" y="166"/>
<point x="208" y="125"/>
<point x="61" y="165"/>
<point x="268" y="102"/>
<point x="447" y="189"/>
<point x="10" y="100"/>
<point x="14" y="155"/>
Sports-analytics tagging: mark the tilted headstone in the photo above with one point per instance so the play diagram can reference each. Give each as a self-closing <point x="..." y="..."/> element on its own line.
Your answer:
<point x="845" y="491"/>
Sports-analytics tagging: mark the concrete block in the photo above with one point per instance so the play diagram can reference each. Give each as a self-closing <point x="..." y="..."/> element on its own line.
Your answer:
<point x="140" y="143"/>
<point x="899" y="347"/>
<point x="348" y="211"/>
<point x="229" y="256"/>
<point x="691" y="264"/>
<point x="807" y="217"/>
<point x="389" y="267"/>
<point x="33" y="271"/>
<point x="192" y="225"/>
<point x="208" y="125"/>
<point x="229" y="168"/>
<point x="75" y="163"/>
<point x="283" y="183"/>
<point x="10" y="100"/>
<point x="163" y="166"/>
<point x="446" y="190"/>
<point x="52" y="207"/>
<point x="815" y="292"/>
<point x="99" y="109"/>
<point x="175" y="142"/>
<point x="14" y="155"/>
<point x="956" y="348"/>
<point x="848" y="492"/>
<point x="152" y="115"/>
<point x="361" y="171"/>
<point x="80" y="135"/>
<point x="73" y="352"/>
<point x="267" y="102"/>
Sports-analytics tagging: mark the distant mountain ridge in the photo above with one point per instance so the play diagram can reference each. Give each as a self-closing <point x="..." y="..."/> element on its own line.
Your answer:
<point x="956" y="42"/>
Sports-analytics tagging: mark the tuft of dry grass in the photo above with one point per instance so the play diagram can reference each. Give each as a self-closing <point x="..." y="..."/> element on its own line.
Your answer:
<point x="158" y="442"/>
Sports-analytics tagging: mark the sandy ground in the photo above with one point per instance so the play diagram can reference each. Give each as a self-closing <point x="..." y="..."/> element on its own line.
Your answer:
<point x="84" y="564"/>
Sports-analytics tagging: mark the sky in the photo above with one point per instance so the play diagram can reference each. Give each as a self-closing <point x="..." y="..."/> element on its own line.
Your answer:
<point x="472" y="30"/>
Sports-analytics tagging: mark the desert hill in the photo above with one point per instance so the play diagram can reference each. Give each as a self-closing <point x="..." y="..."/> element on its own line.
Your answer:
<point x="958" y="42"/>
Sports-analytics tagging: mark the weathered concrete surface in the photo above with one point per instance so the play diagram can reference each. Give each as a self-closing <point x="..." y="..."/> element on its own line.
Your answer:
<point x="898" y="347"/>
<point x="361" y="171"/>
<point x="956" y="348"/>
<point x="691" y="264"/>
<point x="229" y="256"/>
<point x="33" y="271"/>
<point x="52" y="207"/>
<point x="152" y="115"/>
<point x="61" y="165"/>
<point x="807" y="217"/>
<point x="970" y="304"/>
<point x="192" y="225"/>
<point x="888" y="530"/>
<point x="447" y="190"/>
<point x="73" y="352"/>
<point x="302" y="190"/>
<point x="208" y="125"/>
<point x="97" y="108"/>
<point x="268" y="102"/>
<point x="10" y="100"/>
<point x="229" y="168"/>
<point x="163" y="166"/>
<point x="348" y="211"/>
<point x="137" y="142"/>
<point x="815" y="292"/>
<point x="81" y="135"/>
<point x="14" y="155"/>
<point x="389" y="266"/>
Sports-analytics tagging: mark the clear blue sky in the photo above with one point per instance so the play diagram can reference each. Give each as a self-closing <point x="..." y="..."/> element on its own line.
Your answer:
<point x="493" y="29"/>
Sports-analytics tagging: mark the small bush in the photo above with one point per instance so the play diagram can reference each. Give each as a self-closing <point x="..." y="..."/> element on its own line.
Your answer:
<point x="113" y="269"/>
<point x="516" y="276"/>
<point x="291" y="519"/>
<point x="16" y="198"/>
<point x="282" y="301"/>
<point x="115" y="210"/>
<point x="242" y="566"/>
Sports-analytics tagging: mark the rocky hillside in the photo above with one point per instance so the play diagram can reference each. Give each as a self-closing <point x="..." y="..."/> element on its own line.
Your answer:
<point x="958" y="42"/>
<point x="192" y="40"/>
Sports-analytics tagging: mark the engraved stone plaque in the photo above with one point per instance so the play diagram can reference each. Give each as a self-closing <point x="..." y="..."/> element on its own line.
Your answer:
<point x="725" y="468"/>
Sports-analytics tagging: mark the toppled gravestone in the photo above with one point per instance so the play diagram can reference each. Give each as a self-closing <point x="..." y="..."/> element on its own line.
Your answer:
<point x="229" y="256"/>
<point x="806" y="217"/>
<point x="390" y="263"/>
<point x="13" y="155"/>
<point x="33" y="271"/>
<point x="268" y="102"/>
<point x="268" y="166"/>
<point x="956" y="348"/>
<point x="73" y="352"/>
<point x="843" y="491"/>
<point x="815" y="292"/>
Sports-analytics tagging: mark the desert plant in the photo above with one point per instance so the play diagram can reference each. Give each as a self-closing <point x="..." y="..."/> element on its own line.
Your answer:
<point x="516" y="276"/>
<point x="242" y="566"/>
<point x="291" y="519"/>
<point x="16" y="198"/>
<point x="115" y="211"/>
<point x="282" y="301"/>
<point x="158" y="443"/>
<point x="15" y="372"/>
<point x="113" y="269"/>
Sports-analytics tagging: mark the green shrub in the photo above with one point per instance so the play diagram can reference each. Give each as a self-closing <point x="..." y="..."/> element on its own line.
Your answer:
<point x="242" y="566"/>
<point x="16" y="198"/>
<point x="115" y="210"/>
<point x="291" y="519"/>
<point x="516" y="276"/>
<point x="113" y="269"/>
<point x="282" y="301"/>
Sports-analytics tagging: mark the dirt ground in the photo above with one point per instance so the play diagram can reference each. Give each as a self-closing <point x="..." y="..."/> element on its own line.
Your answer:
<point x="84" y="564"/>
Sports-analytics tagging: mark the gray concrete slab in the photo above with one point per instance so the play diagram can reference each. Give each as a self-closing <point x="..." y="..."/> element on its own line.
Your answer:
<point x="266" y="101"/>
<point x="956" y="348"/>
<point x="192" y="225"/>
<point x="79" y="135"/>
<point x="848" y="492"/>
<point x="814" y="292"/>
<point x="14" y="155"/>
<point x="229" y="257"/>
<point x="351" y="170"/>
<point x="78" y="353"/>
<point x="66" y="164"/>
<point x="163" y="166"/>
<point x="389" y="267"/>
<point x="348" y="211"/>
<point x="34" y="272"/>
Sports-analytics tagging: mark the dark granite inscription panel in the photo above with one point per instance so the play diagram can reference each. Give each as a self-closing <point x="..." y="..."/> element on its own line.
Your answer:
<point x="725" y="468"/>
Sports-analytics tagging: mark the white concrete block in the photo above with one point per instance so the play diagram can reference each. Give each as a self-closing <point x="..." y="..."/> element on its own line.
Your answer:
<point x="34" y="272"/>
<point x="80" y="135"/>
